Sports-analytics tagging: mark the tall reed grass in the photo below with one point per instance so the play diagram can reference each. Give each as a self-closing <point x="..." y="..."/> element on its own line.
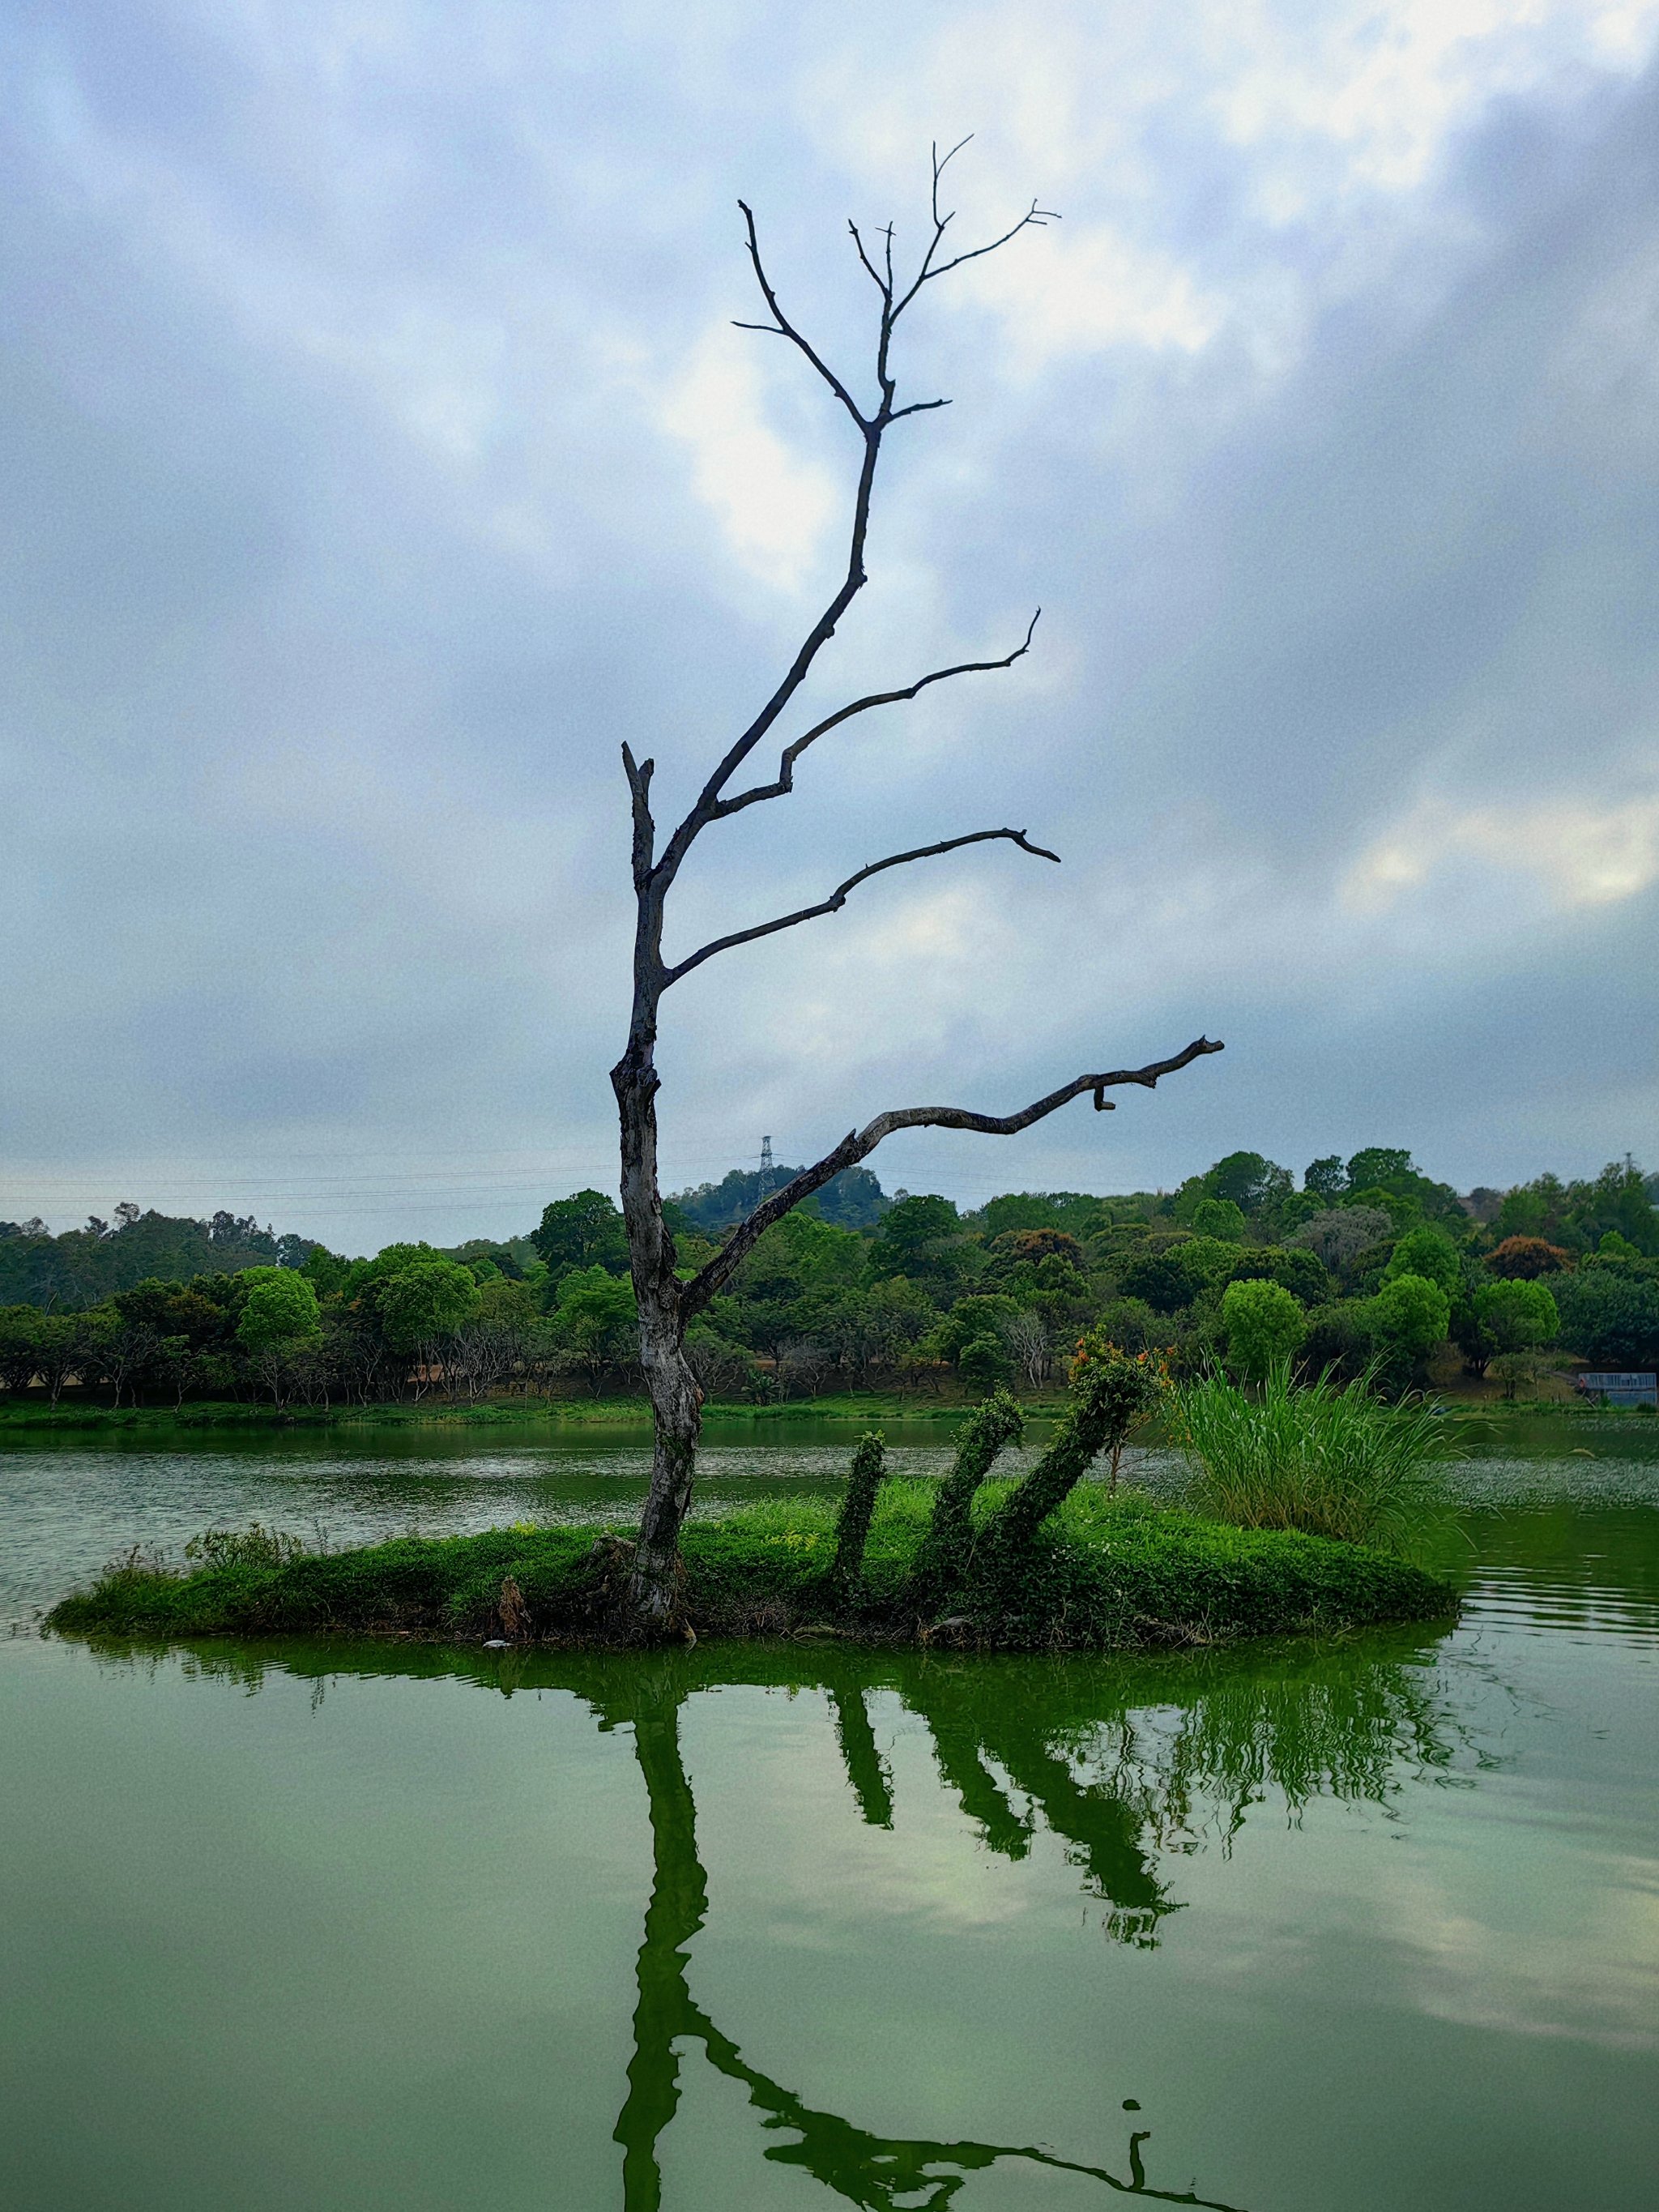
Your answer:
<point x="1332" y="1461"/>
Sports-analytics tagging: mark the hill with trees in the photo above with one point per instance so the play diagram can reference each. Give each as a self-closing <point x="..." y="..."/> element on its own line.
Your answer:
<point x="1367" y="1263"/>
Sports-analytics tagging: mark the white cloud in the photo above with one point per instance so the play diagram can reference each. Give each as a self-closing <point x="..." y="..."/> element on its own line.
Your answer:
<point x="773" y="505"/>
<point x="1384" y="88"/>
<point x="1085" y="290"/>
<point x="1581" y="852"/>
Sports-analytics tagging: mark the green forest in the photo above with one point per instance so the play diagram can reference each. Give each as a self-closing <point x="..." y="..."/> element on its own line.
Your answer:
<point x="1369" y="1267"/>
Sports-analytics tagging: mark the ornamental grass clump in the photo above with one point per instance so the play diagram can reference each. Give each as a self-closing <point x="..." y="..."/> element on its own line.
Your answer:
<point x="1330" y="1460"/>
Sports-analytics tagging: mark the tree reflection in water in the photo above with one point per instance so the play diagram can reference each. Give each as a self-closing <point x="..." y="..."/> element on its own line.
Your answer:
<point x="1129" y="1762"/>
<point x="880" y="2172"/>
<point x="1344" y="1728"/>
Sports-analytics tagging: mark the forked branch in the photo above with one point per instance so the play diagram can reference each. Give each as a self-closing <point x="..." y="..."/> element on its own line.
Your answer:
<point x="786" y="778"/>
<point x="780" y="327"/>
<point x="858" y="1144"/>
<point x="1034" y="218"/>
<point x="838" y="898"/>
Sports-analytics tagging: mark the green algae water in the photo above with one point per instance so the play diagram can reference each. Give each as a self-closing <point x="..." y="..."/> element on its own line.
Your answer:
<point x="1282" y="1928"/>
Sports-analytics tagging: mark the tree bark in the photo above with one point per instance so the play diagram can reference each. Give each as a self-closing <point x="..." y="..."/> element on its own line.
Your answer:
<point x="653" y="1585"/>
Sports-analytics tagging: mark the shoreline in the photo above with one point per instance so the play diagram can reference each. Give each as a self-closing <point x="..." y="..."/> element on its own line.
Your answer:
<point x="489" y="1413"/>
<point x="35" y="1420"/>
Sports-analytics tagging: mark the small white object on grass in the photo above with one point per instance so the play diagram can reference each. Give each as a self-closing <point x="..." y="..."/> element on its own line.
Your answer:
<point x="494" y="1643"/>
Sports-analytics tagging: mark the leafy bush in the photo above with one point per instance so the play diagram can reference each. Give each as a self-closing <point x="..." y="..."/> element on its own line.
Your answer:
<point x="425" y="1302"/>
<point x="280" y="1312"/>
<point x="1109" y="1392"/>
<point x="1127" y="1386"/>
<point x="1304" y="1275"/>
<point x="595" y="1320"/>
<point x="722" y="1369"/>
<point x="1519" y="1314"/>
<point x="1219" y="1217"/>
<point x="1336" y="1346"/>
<point x="1338" y="1236"/>
<point x="1157" y="1280"/>
<point x="1429" y="1253"/>
<point x="942" y="1558"/>
<point x="1131" y="1323"/>
<point x="858" y="1507"/>
<point x="985" y="1363"/>
<point x="1327" y="1458"/>
<point x="1609" y="1317"/>
<point x="1265" y="1327"/>
<point x="1408" y="1317"/>
<point x="1170" y="1279"/>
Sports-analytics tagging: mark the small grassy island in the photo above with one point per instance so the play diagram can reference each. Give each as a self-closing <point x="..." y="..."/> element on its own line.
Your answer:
<point x="1110" y="1575"/>
<point x="1047" y="1562"/>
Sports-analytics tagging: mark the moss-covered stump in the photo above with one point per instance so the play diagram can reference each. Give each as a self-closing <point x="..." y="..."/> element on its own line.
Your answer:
<point x="1105" y="1574"/>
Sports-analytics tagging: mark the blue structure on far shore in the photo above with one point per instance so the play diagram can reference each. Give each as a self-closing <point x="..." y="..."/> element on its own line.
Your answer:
<point x="1620" y="1390"/>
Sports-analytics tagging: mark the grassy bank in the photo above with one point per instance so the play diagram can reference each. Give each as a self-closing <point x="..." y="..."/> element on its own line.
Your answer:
<point x="230" y="1413"/>
<point x="1107" y="1573"/>
<point x="27" y="1415"/>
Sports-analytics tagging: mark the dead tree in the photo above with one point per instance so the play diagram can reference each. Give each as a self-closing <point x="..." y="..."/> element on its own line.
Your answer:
<point x="667" y="1304"/>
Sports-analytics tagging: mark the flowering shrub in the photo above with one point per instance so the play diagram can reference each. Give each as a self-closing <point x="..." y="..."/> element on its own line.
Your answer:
<point x="1126" y="1388"/>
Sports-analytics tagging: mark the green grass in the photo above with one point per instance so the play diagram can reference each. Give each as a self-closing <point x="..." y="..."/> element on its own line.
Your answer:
<point x="1328" y="1459"/>
<point x="1107" y="1573"/>
<point x="391" y="1412"/>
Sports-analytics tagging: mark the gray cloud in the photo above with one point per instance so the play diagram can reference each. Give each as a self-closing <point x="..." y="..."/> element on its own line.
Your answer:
<point x="370" y="431"/>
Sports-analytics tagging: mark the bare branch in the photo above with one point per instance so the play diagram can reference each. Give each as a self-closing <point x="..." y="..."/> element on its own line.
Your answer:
<point x="884" y="289"/>
<point x="707" y="807"/>
<point x="639" y="775"/>
<point x="785" y="328"/>
<point x="838" y="898"/>
<point x="858" y="1144"/>
<point x="703" y="812"/>
<point x="792" y="753"/>
<point x="1035" y="217"/>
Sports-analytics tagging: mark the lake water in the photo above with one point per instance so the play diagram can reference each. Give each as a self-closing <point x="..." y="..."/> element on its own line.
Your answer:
<point x="297" y="1927"/>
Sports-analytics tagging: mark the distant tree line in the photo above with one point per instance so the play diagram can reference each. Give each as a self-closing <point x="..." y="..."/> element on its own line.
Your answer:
<point x="1369" y="1265"/>
<point x="84" y="1266"/>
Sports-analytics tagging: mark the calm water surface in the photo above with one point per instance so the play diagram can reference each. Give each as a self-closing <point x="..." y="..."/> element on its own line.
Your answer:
<point x="290" y="1925"/>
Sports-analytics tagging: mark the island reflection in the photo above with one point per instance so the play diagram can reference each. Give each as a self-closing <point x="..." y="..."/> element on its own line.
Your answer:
<point x="1129" y="1762"/>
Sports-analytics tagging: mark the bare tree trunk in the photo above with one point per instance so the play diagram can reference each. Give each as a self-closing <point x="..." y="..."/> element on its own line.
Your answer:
<point x="676" y="1415"/>
<point x="676" y="1400"/>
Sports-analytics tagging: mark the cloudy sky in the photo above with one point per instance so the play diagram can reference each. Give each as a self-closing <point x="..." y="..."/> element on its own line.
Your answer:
<point x="379" y="454"/>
